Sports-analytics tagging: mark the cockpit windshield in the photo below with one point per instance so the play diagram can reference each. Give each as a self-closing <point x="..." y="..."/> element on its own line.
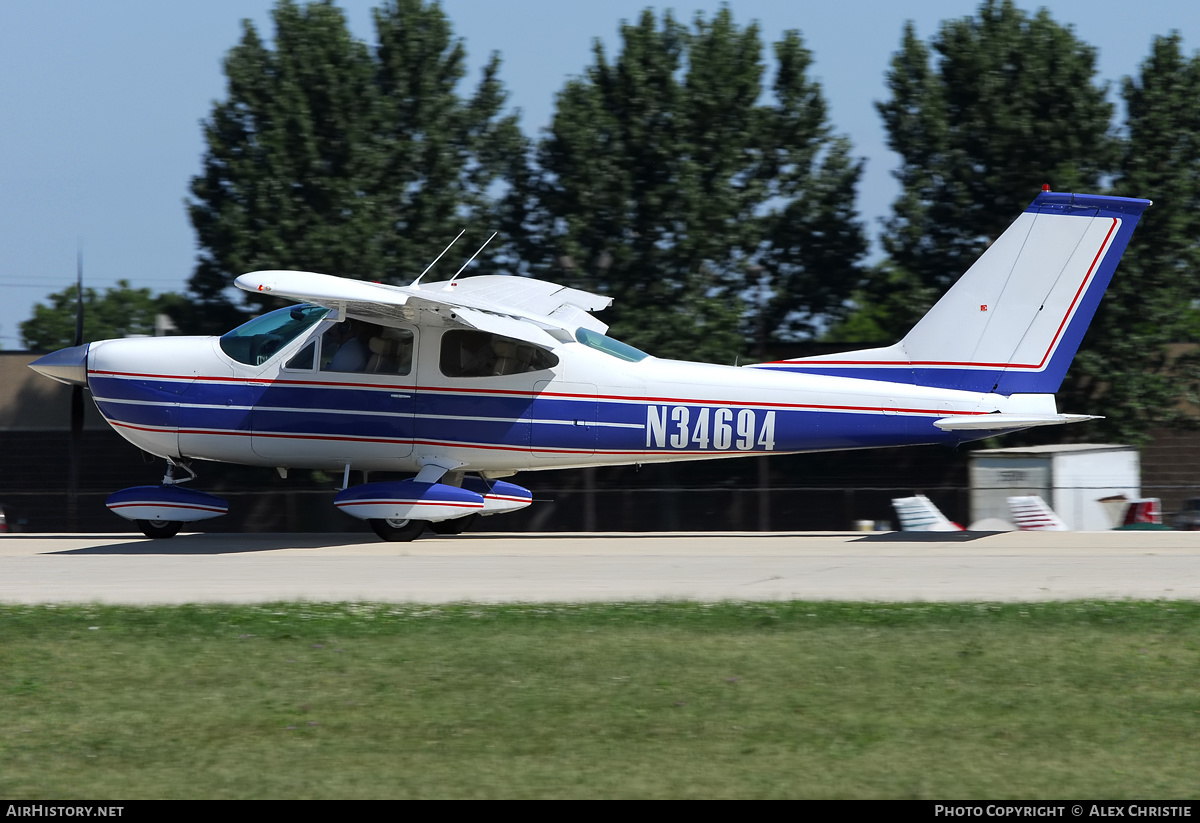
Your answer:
<point x="256" y="341"/>
<point x="600" y="342"/>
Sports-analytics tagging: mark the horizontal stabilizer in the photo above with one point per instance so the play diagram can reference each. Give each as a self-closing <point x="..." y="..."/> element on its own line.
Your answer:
<point x="1000" y="422"/>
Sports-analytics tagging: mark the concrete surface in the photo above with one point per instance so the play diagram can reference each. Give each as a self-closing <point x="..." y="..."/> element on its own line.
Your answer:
<point x="890" y="566"/>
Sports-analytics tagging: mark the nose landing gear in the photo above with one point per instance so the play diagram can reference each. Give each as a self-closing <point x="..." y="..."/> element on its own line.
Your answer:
<point x="161" y="511"/>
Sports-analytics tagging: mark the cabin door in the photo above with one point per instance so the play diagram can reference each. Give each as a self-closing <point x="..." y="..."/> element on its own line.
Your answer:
<point x="330" y="404"/>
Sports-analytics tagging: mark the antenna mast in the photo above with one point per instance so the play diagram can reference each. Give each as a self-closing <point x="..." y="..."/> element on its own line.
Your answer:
<point x="473" y="256"/>
<point x="439" y="257"/>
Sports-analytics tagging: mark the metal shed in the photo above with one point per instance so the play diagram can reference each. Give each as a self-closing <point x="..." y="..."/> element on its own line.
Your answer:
<point x="1072" y="479"/>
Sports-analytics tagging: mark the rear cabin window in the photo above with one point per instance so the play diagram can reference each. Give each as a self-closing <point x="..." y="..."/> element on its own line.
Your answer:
<point x="602" y="342"/>
<point x="469" y="353"/>
<point x="258" y="340"/>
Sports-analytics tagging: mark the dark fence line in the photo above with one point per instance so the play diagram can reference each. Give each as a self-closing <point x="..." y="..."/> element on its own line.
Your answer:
<point x="787" y="508"/>
<point x="776" y="493"/>
<point x="575" y="509"/>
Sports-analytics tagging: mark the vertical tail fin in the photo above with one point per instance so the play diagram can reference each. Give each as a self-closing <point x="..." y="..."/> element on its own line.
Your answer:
<point x="1030" y="513"/>
<point x="1013" y="322"/>
<point x="1144" y="511"/>
<point x="918" y="514"/>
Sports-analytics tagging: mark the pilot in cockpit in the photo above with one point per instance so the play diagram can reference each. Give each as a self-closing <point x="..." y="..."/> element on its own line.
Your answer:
<point x="350" y="352"/>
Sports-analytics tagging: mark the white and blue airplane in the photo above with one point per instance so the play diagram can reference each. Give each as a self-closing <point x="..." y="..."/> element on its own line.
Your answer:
<point x="462" y="382"/>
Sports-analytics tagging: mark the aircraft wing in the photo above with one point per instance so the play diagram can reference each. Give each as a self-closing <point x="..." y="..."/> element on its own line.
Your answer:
<point x="518" y="307"/>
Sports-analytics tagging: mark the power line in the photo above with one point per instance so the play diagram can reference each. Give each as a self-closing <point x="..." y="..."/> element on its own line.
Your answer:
<point x="23" y="284"/>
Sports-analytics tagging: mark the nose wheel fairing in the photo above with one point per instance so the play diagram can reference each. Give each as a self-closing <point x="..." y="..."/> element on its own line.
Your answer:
<point x="165" y="504"/>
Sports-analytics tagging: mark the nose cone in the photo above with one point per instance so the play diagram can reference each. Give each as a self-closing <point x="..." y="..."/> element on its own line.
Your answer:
<point x="65" y="365"/>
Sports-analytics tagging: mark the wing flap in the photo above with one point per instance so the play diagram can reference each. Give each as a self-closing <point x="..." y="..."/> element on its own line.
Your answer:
<point x="522" y="293"/>
<point x="504" y="326"/>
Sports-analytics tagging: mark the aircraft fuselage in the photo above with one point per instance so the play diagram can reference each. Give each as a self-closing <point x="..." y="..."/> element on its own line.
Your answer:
<point x="185" y="398"/>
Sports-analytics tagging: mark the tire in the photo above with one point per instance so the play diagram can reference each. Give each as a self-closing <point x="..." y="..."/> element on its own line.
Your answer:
<point x="160" y="529"/>
<point x="456" y="526"/>
<point x="398" y="531"/>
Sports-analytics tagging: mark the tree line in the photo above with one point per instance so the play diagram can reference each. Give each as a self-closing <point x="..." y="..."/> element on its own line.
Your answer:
<point x="694" y="175"/>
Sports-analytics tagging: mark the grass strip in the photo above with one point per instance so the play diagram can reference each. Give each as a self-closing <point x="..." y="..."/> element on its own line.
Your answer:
<point x="656" y="700"/>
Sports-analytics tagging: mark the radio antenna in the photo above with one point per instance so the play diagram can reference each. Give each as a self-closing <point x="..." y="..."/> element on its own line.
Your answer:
<point x="439" y="257"/>
<point x="473" y="256"/>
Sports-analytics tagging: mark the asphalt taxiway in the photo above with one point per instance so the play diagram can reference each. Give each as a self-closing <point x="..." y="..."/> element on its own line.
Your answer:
<point x="888" y="566"/>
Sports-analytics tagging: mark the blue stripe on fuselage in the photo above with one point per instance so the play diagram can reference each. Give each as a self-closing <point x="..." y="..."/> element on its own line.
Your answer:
<point x="558" y="423"/>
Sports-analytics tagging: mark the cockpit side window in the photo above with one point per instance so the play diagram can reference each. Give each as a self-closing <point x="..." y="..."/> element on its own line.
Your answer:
<point x="304" y="359"/>
<point x="470" y="353"/>
<point x="258" y="340"/>
<point x="358" y="346"/>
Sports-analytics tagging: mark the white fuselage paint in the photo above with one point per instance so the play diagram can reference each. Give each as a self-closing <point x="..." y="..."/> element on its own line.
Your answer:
<point x="635" y="412"/>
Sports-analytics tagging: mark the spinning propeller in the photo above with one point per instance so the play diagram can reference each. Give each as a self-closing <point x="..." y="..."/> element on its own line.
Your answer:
<point x="70" y="366"/>
<point x="76" y="407"/>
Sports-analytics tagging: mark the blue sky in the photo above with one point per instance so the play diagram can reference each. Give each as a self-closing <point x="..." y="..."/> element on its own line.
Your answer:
<point x="101" y="105"/>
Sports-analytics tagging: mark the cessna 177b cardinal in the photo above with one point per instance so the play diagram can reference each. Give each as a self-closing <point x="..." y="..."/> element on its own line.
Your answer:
<point x="462" y="382"/>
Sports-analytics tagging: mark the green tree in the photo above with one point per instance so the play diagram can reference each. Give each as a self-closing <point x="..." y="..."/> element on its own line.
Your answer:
<point x="441" y="156"/>
<point x="288" y="153"/>
<point x="814" y="242"/>
<point x="328" y="155"/>
<point x="995" y="106"/>
<point x="120" y="312"/>
<point x="1124" y="367"/>
<point x="666" y="183"/>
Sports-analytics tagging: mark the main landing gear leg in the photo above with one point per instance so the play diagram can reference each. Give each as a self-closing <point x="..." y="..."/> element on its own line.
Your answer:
<point x="169" y="478"/>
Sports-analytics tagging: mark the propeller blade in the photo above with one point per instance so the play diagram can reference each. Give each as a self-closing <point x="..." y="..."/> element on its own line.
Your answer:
<point x="79" y="297"/>
<point x="76" y="414"/>
<point x="73" y="447"/>
<point x="73" y="458"/>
